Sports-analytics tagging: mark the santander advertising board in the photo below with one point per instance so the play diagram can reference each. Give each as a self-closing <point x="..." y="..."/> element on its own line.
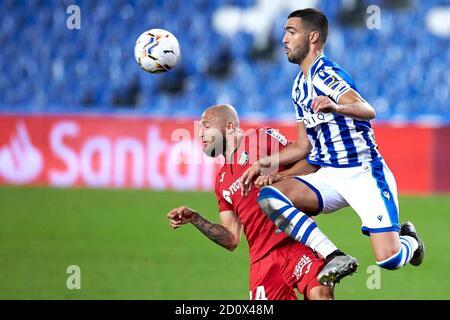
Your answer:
<point x="104" y="152"/>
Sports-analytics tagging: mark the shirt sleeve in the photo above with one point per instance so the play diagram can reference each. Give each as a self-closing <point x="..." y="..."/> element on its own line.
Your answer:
<point x="333" y="82"/>
<point x="275" y="141"/>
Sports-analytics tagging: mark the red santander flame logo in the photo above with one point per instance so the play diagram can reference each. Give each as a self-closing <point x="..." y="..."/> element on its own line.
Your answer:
<point x="20" y="161"/>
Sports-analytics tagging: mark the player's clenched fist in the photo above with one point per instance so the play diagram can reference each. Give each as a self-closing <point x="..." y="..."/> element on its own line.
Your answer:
<point x="179" y="216"/>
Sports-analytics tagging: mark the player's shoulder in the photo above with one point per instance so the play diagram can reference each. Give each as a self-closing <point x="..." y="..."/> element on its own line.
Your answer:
<point x="327" y="67"/>
<point x="331" y="74"/>
<point x="219" y="177"/>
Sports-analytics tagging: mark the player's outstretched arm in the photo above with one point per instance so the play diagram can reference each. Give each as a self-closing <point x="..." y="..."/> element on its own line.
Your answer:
<point x="226" y="234"/>
<point x="292" y="153"/>
<point x="300" y="168"/>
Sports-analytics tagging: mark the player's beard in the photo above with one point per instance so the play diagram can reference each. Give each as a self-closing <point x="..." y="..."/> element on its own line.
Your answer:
<point x="215" y="148"/>
<point x="300" y="53"/>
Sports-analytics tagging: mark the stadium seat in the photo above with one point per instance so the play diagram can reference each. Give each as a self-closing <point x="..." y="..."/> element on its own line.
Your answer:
<point x="44" y="67"/>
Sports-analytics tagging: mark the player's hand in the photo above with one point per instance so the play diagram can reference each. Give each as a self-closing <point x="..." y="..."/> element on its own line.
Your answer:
<point x="179" y="216"/>
<point x="266" y="180"/>
<point x="249" y="175"/>
<point x="324" y="104"/>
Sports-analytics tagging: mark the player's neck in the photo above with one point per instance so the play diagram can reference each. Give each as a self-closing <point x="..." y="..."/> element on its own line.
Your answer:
<point x="232" y="145"/>
<point x="308" y="61"/>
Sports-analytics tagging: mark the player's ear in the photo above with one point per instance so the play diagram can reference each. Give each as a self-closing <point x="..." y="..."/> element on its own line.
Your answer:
<point x="229" y="127"/>
<point x="314" y="36"/>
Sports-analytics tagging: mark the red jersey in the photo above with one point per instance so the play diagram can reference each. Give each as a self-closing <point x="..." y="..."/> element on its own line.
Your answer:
<point x="260" y="231"/>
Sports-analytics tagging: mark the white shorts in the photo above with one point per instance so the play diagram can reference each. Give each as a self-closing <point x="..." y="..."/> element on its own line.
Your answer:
<point x="369" y="189"/>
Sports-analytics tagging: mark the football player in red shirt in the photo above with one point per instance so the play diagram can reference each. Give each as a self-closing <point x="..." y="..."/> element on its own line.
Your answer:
<point x="278" y="264"/>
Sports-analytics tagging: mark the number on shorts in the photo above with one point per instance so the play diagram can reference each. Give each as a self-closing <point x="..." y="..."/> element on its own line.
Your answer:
<point x="260" y="293"/>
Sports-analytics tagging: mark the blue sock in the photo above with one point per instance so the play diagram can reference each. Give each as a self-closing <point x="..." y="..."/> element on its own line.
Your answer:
<point x="293" y="222"/>
<point x="407" y="247"/>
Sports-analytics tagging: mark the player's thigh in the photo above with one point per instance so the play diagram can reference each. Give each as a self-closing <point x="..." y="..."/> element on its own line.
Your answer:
<point x="312" y="193"/>
<point x="300" y="194"/>
<point x="267" y="282"/>
<point x="329" y="197"/>
<point x="371" y="192"/>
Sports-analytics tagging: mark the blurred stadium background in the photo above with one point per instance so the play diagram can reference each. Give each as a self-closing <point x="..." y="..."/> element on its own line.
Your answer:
<point x="80" y="122"/>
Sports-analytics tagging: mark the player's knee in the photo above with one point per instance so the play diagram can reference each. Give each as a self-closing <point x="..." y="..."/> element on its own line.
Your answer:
<point x="392" y="262"/>
<point x="267" y="197"/>
<point x="264" y="200"/>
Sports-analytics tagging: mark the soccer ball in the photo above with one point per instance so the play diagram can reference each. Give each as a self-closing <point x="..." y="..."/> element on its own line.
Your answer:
<point x="157" y="50"/>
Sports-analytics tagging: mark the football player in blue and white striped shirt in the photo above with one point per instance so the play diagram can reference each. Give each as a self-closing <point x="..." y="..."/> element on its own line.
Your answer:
<point x="334" y="132"/>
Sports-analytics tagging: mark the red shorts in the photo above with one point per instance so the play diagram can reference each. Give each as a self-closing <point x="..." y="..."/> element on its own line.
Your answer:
<point x="287" y="266"/>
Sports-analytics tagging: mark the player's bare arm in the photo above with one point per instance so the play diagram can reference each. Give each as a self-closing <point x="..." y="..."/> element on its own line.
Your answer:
<point x="350" y="104"/>
<point x="294" y="152"/>
<point x="226" y="234"/>
<point x="299" y="168"/>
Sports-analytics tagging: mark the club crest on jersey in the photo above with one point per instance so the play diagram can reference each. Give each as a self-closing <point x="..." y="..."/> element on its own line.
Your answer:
<point x="307" y="107"/>
<point x="243" y="158"/>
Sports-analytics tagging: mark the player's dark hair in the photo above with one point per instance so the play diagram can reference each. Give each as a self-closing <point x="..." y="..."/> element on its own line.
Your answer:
<point x="314" y="20"/>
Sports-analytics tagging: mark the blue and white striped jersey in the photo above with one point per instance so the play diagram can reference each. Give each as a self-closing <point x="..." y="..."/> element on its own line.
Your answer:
<point x="336" y="140"/>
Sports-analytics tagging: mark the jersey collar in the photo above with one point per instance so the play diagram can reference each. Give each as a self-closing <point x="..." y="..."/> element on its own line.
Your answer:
<point x="313" y="65"/>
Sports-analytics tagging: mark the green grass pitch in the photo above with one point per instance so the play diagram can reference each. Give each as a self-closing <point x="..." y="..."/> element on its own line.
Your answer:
<point x="125" y="249"/>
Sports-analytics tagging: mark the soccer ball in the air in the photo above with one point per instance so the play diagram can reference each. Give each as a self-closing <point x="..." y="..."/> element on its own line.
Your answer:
<point x="157" y="50"/>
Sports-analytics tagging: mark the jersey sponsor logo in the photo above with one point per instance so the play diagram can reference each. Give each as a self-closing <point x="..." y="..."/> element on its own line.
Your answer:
<point x="231" y="190"/>
<point x="277" y="136"/>
<point x="387" y="195"/>
<point x="243" y="158"/>
<point x="222" y="176"/>
<point x="226" y="196"/>
<point x="303" y="266"/>
<point x="380" y="217"/>
<point x="313" y="119"/>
